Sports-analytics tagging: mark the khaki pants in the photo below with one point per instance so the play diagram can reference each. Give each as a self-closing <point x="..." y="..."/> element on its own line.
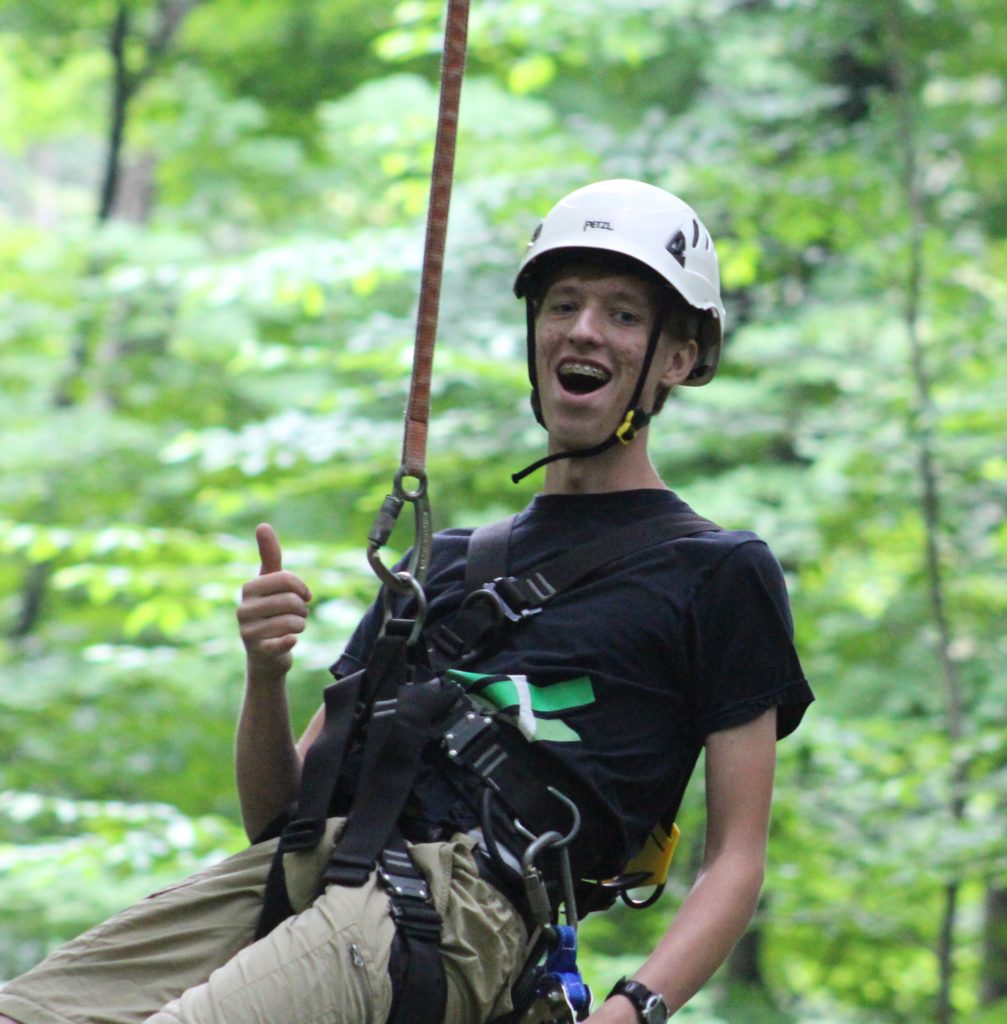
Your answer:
<point x="184" y="954"/>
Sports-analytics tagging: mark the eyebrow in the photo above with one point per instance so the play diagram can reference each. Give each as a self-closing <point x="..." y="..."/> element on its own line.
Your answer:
<point x="618" y="295"/>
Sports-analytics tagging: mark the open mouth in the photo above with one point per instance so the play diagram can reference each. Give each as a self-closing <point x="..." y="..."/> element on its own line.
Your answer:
<point x="582" y="378"/>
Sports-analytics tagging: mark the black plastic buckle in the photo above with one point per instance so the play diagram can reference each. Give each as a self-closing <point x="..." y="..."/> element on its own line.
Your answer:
<point x="301" y="834"/>
<point x="416" y="919"/>
<point x="349" y="871"/>
<point x="449" y="643"/>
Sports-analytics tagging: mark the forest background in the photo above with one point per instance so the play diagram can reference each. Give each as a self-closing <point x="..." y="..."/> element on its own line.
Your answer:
<point x="211" y="223"/>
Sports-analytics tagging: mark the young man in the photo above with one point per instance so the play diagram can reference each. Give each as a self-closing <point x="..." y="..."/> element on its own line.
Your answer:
<point x="616" y="686"/>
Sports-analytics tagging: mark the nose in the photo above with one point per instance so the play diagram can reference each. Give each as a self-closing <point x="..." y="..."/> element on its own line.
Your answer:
<point x="586" y="326"/>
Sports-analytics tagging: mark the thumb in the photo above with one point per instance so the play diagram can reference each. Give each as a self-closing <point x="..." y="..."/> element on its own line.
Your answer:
<point x="269" y="549"/>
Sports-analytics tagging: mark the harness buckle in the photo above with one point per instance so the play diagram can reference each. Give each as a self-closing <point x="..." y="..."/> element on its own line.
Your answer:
<point x="519" y="600"/>
<point x="409" y="896"/>
<point x="463" y="732"/>
<point x="404" y="885"/>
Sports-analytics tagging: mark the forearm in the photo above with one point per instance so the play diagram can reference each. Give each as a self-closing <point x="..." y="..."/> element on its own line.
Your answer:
<point x="706" y="928"/>
<point x="267" y="765"/>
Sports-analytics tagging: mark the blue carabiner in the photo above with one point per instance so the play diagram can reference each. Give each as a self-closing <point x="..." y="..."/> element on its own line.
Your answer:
<point x="561" y="964"/>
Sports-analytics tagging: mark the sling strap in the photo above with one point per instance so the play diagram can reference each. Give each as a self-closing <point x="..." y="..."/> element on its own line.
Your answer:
<point x="502" y="598"/>
<point x="486" y="558"/>
<point x="399" y="729"/>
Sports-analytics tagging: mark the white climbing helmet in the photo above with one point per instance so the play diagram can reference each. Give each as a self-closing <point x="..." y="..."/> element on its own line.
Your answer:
<point x="651" y="226"/>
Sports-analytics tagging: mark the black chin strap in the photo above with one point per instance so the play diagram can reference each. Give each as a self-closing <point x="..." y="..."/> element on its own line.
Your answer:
<point x="576" y="453"/>
<point x="634" y="419"/>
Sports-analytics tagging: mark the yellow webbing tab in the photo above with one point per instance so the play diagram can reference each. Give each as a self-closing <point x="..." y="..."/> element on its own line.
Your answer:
<point x="655" y="857"/>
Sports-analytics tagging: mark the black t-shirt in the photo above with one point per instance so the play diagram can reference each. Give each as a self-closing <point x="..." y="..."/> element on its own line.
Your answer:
<point x="623" y="676"/>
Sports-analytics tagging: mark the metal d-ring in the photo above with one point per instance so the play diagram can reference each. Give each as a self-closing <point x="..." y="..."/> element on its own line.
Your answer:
<point x="404" y="492"/>
<point x="412" y="585"/>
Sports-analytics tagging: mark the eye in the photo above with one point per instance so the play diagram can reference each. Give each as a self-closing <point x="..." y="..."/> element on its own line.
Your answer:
<point x="626" y="317"/>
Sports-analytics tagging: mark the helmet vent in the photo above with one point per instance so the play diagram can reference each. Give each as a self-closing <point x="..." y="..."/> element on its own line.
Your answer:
<point x="536" y="233"/>
<point x="677" y="246"/>
<point x="695" y="233"/>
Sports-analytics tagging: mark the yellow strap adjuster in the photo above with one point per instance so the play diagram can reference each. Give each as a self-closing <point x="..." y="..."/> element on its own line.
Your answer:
<point x="626" y="431"/>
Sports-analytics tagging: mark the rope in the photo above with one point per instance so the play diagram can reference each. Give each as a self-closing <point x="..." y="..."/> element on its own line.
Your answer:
<point x="414" y="445"/>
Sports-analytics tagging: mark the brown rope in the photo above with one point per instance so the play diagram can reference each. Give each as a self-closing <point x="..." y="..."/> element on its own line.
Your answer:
<point x="414" y="447"/>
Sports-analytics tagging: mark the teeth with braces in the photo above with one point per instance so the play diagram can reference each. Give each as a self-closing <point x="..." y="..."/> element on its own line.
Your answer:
<point x="584" y="370"/>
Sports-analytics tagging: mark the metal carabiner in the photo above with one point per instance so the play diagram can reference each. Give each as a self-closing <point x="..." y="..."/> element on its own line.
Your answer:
<point x="384" y="524"/>
<point x="560" y="840"/>
<point x="560" y="843"/>
<point x="419" y="560"/>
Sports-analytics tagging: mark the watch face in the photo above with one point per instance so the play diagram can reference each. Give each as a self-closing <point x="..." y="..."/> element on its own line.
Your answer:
<point x="654" y="1010"/>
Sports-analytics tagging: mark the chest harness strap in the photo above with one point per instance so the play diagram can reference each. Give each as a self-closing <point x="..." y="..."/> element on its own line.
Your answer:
<point x="509" y="599"/>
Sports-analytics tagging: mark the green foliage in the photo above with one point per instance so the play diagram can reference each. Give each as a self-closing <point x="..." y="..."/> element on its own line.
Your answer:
<point x="234" y="344"/>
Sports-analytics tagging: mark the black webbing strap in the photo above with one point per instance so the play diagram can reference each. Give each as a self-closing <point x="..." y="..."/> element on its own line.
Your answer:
<point x="324" y="759"/>
<point x="399" y="729"/>
<point x="512" y="598"/>
<point x="318" y="779"/>
<point x="322" y="765"/>
<point x="399" y="725"/>
<point x="416" y="967"/>
<point x="486" y="558"/>
<point x="572" y="566"/>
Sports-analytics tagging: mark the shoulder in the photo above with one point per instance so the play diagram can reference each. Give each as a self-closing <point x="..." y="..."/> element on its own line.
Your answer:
<point x="453" y="536"/>
<point x="448" y="557"/>
<point x="448" y="551"/>
<point x="723" y="557"/>
<point x="717" y="574"/>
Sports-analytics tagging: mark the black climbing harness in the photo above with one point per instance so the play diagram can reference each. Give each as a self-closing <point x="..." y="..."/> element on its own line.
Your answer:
<point x="539" y="841"/>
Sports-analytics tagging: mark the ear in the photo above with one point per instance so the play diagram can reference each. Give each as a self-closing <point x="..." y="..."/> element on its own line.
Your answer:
<point x="679" y="359"/>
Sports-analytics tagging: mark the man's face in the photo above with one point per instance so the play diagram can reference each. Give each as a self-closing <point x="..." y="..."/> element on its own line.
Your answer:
<point x="591" y="331"/>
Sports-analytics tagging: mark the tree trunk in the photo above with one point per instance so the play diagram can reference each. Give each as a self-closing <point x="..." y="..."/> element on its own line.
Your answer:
<point x="923" y="429"/>
<point x="993" y="986"/>
<point x="123" y="87"/>
<point x="113" y="200"/>
<point x="744" y="965"/>
<point x="32" y="597"/>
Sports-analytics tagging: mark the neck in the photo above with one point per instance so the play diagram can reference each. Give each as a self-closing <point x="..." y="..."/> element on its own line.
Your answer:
<point x="621" y="468"/>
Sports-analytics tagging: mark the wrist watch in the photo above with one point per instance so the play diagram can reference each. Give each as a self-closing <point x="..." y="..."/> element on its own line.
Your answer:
<point x="650" y="1006"/>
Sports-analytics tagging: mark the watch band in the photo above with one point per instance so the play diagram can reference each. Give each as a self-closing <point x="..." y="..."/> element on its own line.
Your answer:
<point x="650" y="1006"/>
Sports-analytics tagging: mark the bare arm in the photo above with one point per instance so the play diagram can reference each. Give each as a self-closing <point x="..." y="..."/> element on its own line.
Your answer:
<point x="272" y="612"/>
<point x="740" y="764"/>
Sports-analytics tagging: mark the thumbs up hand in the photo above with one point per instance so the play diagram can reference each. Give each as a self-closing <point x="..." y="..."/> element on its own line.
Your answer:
<point x="272" y="612"/>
